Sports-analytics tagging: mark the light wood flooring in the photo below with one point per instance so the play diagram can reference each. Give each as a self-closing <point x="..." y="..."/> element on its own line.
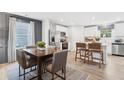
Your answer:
<point x="114" y="70"/>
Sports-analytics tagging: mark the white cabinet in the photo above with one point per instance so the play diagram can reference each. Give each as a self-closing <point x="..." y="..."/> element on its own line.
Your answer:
<point x="91" y="31"/>
<point x="60" y="29"/>
<point x="119" y="29"/>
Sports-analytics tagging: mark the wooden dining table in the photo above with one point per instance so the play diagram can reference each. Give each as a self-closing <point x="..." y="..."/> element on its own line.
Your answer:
<point x="41" y="56"/>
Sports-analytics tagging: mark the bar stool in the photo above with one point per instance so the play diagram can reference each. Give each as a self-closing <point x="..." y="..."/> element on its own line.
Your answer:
<point x="96" y="48"/>
<point x="81" y="51"/>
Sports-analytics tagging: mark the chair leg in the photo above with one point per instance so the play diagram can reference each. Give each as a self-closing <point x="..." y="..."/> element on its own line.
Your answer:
<point x="80" y="54"/>
<point x="76" y="56"/>
<point x="31" y="69"/>
<point x="102" y="59"/>
<point x="52" y="76"/>
<point x="88" y="57"/>
<point x="64" y="73"/>
<point x="24" y="74"/>
<point x="85" y="57"/>
<point x="35" y="67"/>
<point x="19" y="71"/>
<point x="92" y="56"/>
<point x="62" y="70"/>
<point x="100" y="64"/>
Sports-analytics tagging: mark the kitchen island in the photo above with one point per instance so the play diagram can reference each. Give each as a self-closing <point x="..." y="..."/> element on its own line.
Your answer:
<point x="104" y="48"/>
<point x="97" y="55"/>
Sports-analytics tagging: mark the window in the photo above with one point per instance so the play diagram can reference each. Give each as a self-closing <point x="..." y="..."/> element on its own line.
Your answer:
<point x="22" y="34"/>
<point x="106" y="32"/>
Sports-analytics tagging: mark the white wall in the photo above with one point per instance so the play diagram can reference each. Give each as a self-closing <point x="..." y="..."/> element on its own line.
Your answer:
<point x="76" y="34"/>
<point x="62" y="29"/>
<point x="119" y="29"/>
<point x="118" y="32"/>
<point x="91" y="31"/>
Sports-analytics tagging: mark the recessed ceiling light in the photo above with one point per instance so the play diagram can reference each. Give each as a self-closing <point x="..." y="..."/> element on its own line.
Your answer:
<point x="61" y="20"/>
<point x="26" y="14"/>
<point x="93" y="18"/>
<point x="118" y="19"/>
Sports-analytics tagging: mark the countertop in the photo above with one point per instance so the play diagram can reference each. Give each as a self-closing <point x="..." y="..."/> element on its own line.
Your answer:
<point x="118" y="43"/>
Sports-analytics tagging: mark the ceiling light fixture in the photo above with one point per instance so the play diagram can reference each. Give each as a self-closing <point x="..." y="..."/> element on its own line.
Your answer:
<point x="61" y="20"/>
<point x="93" y="18"/>
<point x="118" y="19"/>
<point x="26" y="15"/>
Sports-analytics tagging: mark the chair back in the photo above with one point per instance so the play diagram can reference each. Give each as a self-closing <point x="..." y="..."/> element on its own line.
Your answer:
<point x="31" y="46"/>
<point x="80" y="45"/>
<point x="94" y="46"/>
<point x="59" y="61"/>
<point x="21" y="57"/>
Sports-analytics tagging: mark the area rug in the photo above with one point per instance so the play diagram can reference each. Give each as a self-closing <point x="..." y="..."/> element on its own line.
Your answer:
<point x="71" y="74"/>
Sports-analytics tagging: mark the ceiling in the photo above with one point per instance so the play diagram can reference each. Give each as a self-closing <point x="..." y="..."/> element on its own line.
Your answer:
<point x="76" y="18"/>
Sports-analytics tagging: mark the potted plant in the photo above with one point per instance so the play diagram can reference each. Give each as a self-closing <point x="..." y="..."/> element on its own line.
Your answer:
<point x="97" y="38"/>
<point x="41" y="45"/>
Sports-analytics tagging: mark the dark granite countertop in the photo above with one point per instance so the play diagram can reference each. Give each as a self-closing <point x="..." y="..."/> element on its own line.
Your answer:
<point x="118" y="43"/>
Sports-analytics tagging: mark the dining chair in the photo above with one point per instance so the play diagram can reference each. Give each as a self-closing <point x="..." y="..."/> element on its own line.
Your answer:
<point x="23" y="62"/>
<point x="30" y="57"/>
<point x="96" y="48"/>
<point x="58" y="64"/>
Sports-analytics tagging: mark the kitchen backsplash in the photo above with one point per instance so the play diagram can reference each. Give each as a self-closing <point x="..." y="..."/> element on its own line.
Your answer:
<point x="118" y="38"/>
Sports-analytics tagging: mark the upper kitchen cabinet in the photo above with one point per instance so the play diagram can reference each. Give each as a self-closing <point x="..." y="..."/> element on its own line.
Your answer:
<point x="62" y="29"/>
<point x="61" y="32"/>
<point x="91" y="31"/>
<point x="119" y="29"/>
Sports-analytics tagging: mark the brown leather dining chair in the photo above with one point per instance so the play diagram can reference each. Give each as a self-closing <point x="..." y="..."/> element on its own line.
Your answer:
<point x="23" y="62"/>
<point x="58" y="64"/>
<point x="96" y="48"/>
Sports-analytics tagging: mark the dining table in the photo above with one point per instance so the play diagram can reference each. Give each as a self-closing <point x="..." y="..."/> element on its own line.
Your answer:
<point x="41" y="55"/>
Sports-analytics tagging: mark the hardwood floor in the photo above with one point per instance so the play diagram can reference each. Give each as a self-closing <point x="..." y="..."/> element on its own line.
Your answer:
<point x="114" y="70"/>
<point x="3" y="75"/>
